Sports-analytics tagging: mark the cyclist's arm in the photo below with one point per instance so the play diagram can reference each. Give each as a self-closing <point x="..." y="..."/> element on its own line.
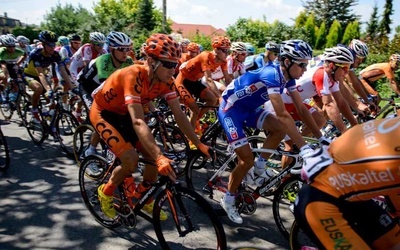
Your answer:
<point x="65" y="75"/>
<point x="305" y="115"/>
<point x="357" y="86"/>
<point x="210" y="82"/>
<point x="394" y="85"/>
<point x="22" y="59"/>
<point x="332" y="111"/>
<point x="228" y="77"/>
<point x="344" y="107"/>
<point x="286" y="119"/>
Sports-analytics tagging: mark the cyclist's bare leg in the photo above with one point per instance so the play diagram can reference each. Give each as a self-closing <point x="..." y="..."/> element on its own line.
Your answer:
<point x="211" y="100"/>
<point x="94" y="139"/>
<point x="194" y="113"/>
<point x="37" y="89"/>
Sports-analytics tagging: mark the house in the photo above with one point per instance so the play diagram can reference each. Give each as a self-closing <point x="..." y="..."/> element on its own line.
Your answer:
<point x="8" y="24"/>
<point x="191" y="30"/>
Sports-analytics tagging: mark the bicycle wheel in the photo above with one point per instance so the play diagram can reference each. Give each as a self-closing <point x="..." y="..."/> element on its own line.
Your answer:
<point x="7" y="108"/>
<point x="36" y="130"/>
<point x="66" y="124"/>
<point x="391" y="112"/>
<point x="22" y="103"/>
<point x="4" y="153"/>
<point x="81" y="141"/>
<point x="88" y="185"/>
<point x="298" y="239"/>
<point x="191" y="223"/>
<point x="283" y="203"/>
<point x="173" y="144"/>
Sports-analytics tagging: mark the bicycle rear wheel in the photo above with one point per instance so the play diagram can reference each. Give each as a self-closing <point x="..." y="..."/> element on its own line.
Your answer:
<point x="36" y="130"/>
<point x="66" y="124"/>
<point x="4" y="153"/>
<point x="22" y="103"/>
<point x="88" y="185"/>
<point x="191" y="223"/>
<point x="298" y="239"/>
<point x="283" y="203"/>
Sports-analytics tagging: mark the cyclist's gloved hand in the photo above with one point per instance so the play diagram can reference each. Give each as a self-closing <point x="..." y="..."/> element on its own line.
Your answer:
<point x="164" y="167"/>
<point x="49" y="94"/>
<point x="204" y="149"/>
<point x="324" y="141"/>
<point x="314" y="161"/>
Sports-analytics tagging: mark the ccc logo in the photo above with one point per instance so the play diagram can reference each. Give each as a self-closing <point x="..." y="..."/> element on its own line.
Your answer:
<point x="110" y="95"/>
<point x="106" y="134"/>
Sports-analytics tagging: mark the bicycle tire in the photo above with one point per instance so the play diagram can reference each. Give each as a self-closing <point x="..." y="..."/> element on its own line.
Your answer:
<point x="81" y="141"/>
<point x="174" y="145"/>
<point x="283" y="202"/>
<point x="7" y="110"/>
<point x="23" y="101"/>
<point x="391" y="112"/>
<point x="36" y="130"/>
<point x="4" y="153"/>
<point x="66" y="124"/>
<point x="88" y="186"/>
<point x="206" y="230"/>
<point x="298" y="238"/>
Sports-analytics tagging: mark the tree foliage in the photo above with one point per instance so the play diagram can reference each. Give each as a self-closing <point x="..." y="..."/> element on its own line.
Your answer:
<point x="333" y="37"/>
<point x="372" y="25"/>
<point x="384" y="25"/>
<point x="321" y="37"/>
<point x="352" y="31"/>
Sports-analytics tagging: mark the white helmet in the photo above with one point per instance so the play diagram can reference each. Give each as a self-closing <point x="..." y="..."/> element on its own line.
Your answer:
<point x="359" y="47"/>
<point x="23" y="39"/>
<point x="239" y="47"/>
<point x="184" y="42"/>
<point x="395" y="57"/>
<point x="8" y="41"/>
<point x="296" y="49"/>
<point x="117" y="39"/>
<point x="97" y="37"/>
<point x="338" y="54"/>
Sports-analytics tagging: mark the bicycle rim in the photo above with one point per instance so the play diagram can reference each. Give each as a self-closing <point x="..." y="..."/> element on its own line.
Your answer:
<point x="283" y="204"/>
<point x="36" y="130"/>
<point x="66" y="125"/>
<point x="4" y="153"/>
<point x="298" y="238"/>
<point x="22" y="103"/>
<point x="200" y="228"/>
<point x="88" y="185"/>
<point x="81" y="141"/>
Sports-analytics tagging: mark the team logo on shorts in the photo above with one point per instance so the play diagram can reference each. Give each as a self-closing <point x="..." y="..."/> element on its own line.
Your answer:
<point x="232" y="130"/>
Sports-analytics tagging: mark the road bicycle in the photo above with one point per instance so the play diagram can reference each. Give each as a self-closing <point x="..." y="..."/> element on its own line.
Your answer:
<point x="209" y="177"/>
<point x="4" y="152"/>
<point x="191" y="222"/>
<point x="57" y="122"/>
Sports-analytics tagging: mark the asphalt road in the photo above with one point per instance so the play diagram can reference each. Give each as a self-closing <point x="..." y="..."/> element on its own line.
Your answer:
<point x="41" y="207"/>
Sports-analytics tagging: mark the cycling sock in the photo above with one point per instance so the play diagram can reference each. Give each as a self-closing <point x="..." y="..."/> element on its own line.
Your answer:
<point x="229" y="198"/>
<point x="109" y="189"/>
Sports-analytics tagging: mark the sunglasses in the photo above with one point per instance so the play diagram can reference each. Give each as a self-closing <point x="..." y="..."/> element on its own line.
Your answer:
<point x="226" y="51"/>
<point x="343" y="66"/>
<point x="123" y="49"/>
<point x="302" y="65"/>
<point x="52" y="45"/>
<point x="168" y="65"/>
<point x="242" y="54"/>
<point x="76" y="42"/>
<point x="99" y="44"/>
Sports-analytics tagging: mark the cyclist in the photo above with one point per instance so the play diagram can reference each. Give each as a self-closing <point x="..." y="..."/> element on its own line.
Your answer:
<point x="23" y="43"/>
<point x="269" y="56"/>
<point x="97" y="71"/>
<point x="250" y="49"/>
<point x="188" y="82"/>
<point x="241" y="106"/>
<point x="371" y="74"/>
<point x="335" y="209"/>
<point x="117" y="108"/>
<point x="193" y="49"/>
<point x="38" y="67"/>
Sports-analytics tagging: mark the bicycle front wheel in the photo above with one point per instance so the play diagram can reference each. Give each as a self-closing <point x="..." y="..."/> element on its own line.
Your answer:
<point x="191" y="222"/>
<point x="37" y="130"/>
<point x="66" y="125"/>
<point x="298" y="239"/>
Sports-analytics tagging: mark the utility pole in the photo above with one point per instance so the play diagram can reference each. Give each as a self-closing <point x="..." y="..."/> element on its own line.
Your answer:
<point x="164" y="21"/>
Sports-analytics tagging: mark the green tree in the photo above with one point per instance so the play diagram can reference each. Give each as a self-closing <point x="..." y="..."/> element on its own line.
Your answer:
<point x="352" y="31"/>
<point x="321" y="37"/>
<point x="328" y="11"/>
<point x="301" y="19"/>
<point x="384" y="25"/>
<point x="145" y="20"/>
<point x="67" y="19"/>
<point x="372" y="25"/>
<point x="29" y="31"/>
<point x="310" y="29"/>
<point x="333" y="37"/>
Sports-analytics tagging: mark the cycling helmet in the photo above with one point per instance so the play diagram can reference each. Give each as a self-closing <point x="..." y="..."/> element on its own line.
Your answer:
<point x="338" y="54"/>
<point x="23" y="39"/>
<point x="63" y="40"/>
<point x="395" y="57"/>
<point x="46" y="36"/>
<point x="74" y="37"/>
<point x="193" y="47"/>
<point x="184" y="42"/>
<point x="359" y="47"/>
<point x="117" y="39"/>
<point x="296" y="49"/>
<point x="273" y="47"/>
<point x="97" y="37"/>
<point x="201" y="48"/>
<point x="239" y="47"/>
<point x="161" y="46"/>
<point x="12" y="35"/>
<point x="221" y="42"/>
<point x="8" y="41"/>
<point x="250" y="49"/>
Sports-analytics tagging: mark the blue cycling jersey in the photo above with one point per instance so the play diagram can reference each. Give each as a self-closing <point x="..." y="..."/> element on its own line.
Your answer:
<point x="251" y="90"/>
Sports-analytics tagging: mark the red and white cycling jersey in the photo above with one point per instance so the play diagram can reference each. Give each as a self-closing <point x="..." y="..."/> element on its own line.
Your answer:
<point x="84" y="53"/>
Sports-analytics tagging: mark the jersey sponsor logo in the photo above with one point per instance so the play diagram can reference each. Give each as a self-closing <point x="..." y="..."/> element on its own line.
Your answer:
<point x="370" y="129"/>
<point x="109" y="95"/>
<point x="364" y="178"/>
<point x="335" y="234"/>
<point x="139" y="83"/>
<point x="232" y="130"/>
<point x="106" y="134"/>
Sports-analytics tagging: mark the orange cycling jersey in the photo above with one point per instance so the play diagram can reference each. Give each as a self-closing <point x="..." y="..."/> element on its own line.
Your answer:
<point x="131" y="83"/>
<point x="194" y="69"/>
<point x="375" y="72"/>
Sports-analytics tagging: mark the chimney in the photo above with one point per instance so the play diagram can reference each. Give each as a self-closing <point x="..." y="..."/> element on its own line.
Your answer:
<point x="5" y="14"/>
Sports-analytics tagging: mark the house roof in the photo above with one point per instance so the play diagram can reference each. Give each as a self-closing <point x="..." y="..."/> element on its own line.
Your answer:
<point x="190" y="30"/>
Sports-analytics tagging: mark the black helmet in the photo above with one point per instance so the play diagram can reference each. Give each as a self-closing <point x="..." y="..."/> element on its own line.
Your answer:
<point x="74" y="37"/>
<point x="46" y="36"/>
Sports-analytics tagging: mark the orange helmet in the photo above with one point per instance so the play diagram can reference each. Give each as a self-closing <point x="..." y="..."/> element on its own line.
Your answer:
<point x="161" y="46"/>
<point x="221" y="42"/>
<point x="193" y="47"/>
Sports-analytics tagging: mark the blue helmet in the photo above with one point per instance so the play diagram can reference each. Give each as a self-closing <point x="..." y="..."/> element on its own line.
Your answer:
<point x="250" y="49"/>
<point x="296" y="49"/>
